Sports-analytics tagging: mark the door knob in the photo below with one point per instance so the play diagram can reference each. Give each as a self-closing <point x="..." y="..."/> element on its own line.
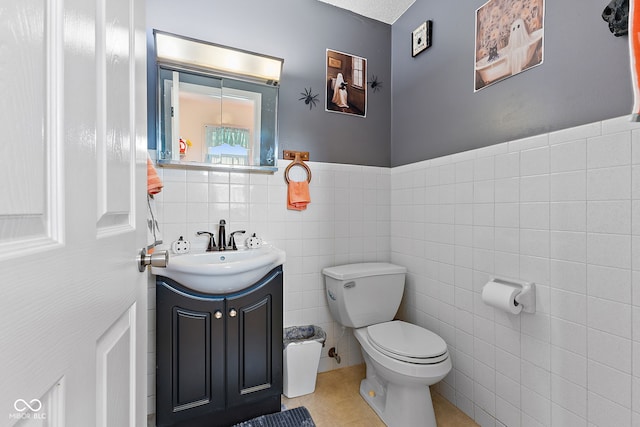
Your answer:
<point x="233" y="312"/>
<point x="217" y="314"/>
<point x="156" y="259"/>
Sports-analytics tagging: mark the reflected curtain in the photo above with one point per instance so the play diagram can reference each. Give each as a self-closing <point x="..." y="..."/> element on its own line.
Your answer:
<point x="220" y="135"/>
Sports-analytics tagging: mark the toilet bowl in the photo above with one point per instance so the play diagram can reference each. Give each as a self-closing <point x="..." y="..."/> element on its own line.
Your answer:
<point x="402" y="359"/>
<point x="400" y="371"/>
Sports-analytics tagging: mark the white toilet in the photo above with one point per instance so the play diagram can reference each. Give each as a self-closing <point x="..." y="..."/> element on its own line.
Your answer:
<point x="402" y="359"/>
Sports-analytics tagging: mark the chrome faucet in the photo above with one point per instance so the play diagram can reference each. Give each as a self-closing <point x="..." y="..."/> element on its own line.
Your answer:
<point x="212" y="243"/>
<point x="222" y="238"/>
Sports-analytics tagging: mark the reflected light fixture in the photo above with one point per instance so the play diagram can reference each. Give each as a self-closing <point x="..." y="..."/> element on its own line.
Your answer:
<point x="183" y="51"/>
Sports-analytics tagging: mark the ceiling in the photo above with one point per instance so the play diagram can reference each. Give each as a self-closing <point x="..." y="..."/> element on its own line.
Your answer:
<point x="381" y="10"/>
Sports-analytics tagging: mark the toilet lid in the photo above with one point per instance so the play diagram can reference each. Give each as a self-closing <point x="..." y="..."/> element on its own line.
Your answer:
<point x="407" y="342"/>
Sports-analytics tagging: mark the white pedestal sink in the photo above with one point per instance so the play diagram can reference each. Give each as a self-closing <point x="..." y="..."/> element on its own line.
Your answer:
<point x="222" y="272"/>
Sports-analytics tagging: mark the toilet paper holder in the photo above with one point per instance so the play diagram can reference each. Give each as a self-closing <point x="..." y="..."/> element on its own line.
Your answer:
<point x="526" y="297"/>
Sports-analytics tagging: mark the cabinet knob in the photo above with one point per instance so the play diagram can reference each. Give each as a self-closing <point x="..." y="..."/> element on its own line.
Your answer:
<point x="233" y="312"/>
<point x="217" y="314"/>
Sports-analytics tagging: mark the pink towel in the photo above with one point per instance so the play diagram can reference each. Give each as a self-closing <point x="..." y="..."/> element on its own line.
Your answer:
<point x="298" y="195"/>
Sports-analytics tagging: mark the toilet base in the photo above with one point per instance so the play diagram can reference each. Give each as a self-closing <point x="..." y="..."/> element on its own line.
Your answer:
<point x="399" y="406"/>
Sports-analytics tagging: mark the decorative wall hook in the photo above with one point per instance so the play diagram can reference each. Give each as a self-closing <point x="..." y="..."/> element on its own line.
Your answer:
<point x="308" y="98"/>
<point x="374" y="83"/>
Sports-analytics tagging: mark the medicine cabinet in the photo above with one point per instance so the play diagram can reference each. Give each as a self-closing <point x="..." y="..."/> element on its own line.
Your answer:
<point x="217" y="106"/>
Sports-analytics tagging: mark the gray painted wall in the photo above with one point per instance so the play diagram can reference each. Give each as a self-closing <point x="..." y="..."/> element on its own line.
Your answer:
<point x="585" y="77"/>
<point x="299" y="31"/>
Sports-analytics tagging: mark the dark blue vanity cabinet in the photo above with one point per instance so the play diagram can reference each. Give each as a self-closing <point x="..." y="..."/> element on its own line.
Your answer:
<point x="219" y="357"/>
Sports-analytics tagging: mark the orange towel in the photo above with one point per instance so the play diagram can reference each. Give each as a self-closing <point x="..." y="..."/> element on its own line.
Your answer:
<point x="154" y="185"/>
<point x="634" y="49"/>
<point x="298" y="195"/>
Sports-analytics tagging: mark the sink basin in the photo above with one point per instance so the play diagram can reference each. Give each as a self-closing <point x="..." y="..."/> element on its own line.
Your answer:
<point x="222" y="272"/>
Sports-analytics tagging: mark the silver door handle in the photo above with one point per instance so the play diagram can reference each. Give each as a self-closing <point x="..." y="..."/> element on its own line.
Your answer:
<point x="217" y="314"/>
<point x="233" y="312"/>
<point x="156" y="259"/>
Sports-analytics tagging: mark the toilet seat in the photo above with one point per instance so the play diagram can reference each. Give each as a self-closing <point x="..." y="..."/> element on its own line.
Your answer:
<point x="407" y="342"/>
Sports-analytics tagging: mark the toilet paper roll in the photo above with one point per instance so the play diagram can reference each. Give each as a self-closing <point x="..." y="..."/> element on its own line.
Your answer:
<point x="501" y="296"/>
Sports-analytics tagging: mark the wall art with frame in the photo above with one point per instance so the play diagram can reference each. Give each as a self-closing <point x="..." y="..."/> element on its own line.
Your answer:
<point x="346" y="83"/>
<point x="421" y="38"/>
<point x="509" y="39"/>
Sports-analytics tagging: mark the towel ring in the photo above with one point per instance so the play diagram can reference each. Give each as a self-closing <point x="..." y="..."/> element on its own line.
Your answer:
<point x="297" y="161"/>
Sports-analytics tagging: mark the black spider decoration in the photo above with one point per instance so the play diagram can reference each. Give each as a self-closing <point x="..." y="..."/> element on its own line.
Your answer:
<point x="375" y="84"/>
<point x="309" y="98"/>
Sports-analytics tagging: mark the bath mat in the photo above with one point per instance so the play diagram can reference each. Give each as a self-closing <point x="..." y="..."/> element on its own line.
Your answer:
<point x="296" y="417"/>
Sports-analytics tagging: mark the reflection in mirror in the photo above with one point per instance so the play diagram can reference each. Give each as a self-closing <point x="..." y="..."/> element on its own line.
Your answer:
<point x="208" y="117"/>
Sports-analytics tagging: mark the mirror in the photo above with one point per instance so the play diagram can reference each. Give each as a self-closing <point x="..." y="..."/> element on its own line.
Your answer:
<point x="217" y="105"/>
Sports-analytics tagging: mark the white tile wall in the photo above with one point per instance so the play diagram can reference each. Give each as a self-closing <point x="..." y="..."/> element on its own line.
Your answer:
<point x="348" y="220"/>
<point x="563" y="210"/>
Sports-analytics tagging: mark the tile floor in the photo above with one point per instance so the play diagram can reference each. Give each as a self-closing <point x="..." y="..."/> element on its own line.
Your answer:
<point x="337" y="403"/>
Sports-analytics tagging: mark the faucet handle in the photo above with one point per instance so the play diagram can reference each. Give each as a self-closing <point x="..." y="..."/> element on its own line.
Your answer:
<point x="212" y="243"/>
<point x="232" y="239"/>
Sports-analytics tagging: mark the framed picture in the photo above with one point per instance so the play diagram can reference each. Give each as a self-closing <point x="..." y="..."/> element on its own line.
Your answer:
<point x="346" y="83"/>
<point x="335" y="62"/>
<point x="509" y="39"/>
<point x="421" y="38"/>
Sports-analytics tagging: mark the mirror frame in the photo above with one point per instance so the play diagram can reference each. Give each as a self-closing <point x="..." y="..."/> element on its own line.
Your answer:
<point x="182" y="53"/>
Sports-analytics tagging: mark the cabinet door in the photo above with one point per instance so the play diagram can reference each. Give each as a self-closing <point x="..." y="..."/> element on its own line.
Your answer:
<point x="190" y="354"/>
<point x="254" y="339"/>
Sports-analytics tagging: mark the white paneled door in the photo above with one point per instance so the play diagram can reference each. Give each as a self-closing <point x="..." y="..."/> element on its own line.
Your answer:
<point x="73" y="328"/>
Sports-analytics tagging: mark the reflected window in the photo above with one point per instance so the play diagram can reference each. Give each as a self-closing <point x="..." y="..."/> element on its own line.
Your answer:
<point x="227" y="145"/>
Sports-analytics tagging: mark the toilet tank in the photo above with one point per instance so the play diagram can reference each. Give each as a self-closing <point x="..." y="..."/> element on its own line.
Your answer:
<point x="364" y="294"/>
